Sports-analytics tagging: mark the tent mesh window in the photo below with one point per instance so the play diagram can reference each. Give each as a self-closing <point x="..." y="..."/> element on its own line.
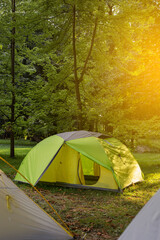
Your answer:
<point x="91" y="170"/>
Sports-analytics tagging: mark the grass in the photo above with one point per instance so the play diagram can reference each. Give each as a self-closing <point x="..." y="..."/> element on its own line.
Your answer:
<point x="153" y="145"/>
<point x="21" y="149"/>
<point x="92" y="214"/>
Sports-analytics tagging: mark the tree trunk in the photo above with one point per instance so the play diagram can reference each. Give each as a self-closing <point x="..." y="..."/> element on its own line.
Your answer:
<point x="78" y="97"/>
<point x="12" y="81"/>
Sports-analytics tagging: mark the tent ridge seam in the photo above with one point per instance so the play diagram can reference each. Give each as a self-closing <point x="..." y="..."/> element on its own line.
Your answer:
<point x="49" y="164"/>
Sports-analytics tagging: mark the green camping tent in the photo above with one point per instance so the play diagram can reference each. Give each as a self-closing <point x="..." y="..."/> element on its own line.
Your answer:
<point x="81" y="159"/>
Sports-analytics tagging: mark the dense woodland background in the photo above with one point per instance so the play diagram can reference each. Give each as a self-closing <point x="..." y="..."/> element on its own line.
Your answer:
<point x="79" y="64"/>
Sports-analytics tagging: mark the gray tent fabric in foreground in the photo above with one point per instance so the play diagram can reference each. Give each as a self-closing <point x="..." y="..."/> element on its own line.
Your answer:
<point x="146" y="225"/>
<point x="81" y="159"/>
<point x="23" y="219"/>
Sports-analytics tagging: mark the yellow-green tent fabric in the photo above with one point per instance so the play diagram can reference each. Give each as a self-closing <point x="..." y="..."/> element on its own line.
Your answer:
<point x="81" y="159"/>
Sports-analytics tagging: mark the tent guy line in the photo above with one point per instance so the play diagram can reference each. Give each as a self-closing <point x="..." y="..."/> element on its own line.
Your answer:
<point x="22" y="218"/>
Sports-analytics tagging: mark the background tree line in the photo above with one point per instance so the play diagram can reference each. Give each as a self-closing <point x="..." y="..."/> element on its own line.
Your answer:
<point x="70" y="65"/>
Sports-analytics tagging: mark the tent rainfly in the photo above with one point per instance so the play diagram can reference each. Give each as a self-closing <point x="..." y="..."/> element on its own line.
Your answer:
<point x="23" y="219"/>
<point x="81" y="159"/>
<point x="146" y="225"/>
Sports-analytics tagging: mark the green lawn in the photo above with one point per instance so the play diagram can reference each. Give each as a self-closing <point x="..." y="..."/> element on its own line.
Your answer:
<point x="92" y="214"/>
<point x="21" y="149"/>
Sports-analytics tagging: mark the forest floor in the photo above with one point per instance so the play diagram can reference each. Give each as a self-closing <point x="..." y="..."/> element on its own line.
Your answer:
<point x="91" y="214"/>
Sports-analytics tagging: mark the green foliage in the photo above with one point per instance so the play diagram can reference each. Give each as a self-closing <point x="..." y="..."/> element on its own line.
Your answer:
<point x="119" y="85"/>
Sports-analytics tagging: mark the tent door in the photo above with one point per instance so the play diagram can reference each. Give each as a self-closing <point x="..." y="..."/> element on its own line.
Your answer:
<point x="80" y="172"/>
<point x="91" y="170"/>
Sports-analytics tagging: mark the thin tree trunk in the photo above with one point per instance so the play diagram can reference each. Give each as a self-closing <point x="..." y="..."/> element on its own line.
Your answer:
<point x="80" y="79"/>
<point x="90" y="50"/>
<point x="78" y="97"/>
<point x="13" y="81"/>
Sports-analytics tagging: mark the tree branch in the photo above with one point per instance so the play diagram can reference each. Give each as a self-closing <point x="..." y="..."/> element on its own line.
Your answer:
<point x="4" y="114"/>
<point x="67" y="3"/>
<point x="110" y="9"/>
<point x="90" y="50"/>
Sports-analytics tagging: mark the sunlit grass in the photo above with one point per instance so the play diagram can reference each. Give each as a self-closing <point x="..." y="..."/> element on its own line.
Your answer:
<point x="152" y="144"/>
<point x="21" y="142"/>
<point x="20" y="152"/>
